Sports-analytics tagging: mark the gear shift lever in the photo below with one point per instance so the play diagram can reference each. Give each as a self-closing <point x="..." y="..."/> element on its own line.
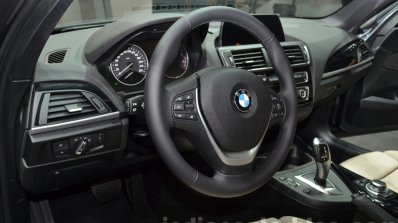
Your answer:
<point x="322" y="159"/>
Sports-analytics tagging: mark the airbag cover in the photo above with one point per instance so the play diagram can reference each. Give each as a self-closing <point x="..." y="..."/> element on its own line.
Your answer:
<point x="233" y="129"/>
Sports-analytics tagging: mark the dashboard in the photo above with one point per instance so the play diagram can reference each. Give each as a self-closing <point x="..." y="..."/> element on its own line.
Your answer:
<point x="89" y="84"/>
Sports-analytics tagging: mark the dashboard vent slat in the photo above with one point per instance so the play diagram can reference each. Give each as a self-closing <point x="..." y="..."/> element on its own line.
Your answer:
<point x="249" y="59"/>
<point x="66" y="106"/>
<point x="295" y="54"/>
<point x="59" y="100"/>
<point x="364" y="52"/>
<point x="57" y="56"/>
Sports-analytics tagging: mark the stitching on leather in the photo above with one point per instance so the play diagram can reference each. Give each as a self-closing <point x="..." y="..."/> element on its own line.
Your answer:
<point x="189" y="23"/>
<point x="195" y="179"/>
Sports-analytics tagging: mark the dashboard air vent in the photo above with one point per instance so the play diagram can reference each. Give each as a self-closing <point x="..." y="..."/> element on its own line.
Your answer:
<point x="69" y="105"/>
<point x="294" y="54"/>
<point x="249" y="59"/>
<point x="364" y="52"/>
<point x="57" y="56"/>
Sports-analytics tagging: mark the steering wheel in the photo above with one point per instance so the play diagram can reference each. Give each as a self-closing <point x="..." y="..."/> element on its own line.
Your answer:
<point x="226" y="111"/>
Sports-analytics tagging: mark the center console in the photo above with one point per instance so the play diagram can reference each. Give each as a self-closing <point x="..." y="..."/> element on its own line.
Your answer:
<point x="314" y="183"/>
<point x="377" y="191"/>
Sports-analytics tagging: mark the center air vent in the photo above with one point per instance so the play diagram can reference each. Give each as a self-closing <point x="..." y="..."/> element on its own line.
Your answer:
<point x="65" y="106"/>
<point x="364" y="52"/>
<point x="57" y="56"/>
<point x="295" y="54"/>
<point x="249" y="59"/>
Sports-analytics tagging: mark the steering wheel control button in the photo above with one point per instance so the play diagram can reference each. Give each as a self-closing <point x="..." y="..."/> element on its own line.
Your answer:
<point x="278" y="107"/>
<point x="179" y="107"/>
<point x="191" y="117"/>
<point x="179" y="98"/>
<point x="179" y="116"/>
<point x="184" y="107"/>
<point x="188" y="97"/>
<point x="243" y="100"/>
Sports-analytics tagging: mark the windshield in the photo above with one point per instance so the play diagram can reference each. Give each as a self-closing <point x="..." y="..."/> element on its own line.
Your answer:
<point x="89" y="11"/>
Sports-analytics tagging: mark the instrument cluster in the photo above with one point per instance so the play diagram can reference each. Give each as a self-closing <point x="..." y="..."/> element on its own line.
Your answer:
<point x="130" y="66"/>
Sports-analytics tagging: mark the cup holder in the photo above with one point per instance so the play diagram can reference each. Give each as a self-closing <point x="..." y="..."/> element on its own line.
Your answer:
<point x="296" y="158"/>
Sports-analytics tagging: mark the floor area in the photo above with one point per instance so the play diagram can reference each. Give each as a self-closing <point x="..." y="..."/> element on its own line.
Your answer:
<point x="376" y="141"/>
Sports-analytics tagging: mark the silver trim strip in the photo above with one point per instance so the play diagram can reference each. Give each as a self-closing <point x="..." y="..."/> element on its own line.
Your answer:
<point x="328" y="190"/>
<point x="68" y="160"/>
<point x="365" y="36"/>
<point x="224" y="49"/>
<point x="336" y="72"/>
<point x="230" y="158"/>
<point x="85" y="121"/>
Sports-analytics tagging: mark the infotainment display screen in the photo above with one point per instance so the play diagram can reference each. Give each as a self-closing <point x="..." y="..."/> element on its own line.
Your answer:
<point x="232" y="35"/>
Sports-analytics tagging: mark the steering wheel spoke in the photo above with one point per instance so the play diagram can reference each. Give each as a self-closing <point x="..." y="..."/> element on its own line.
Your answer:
<point x="187" y="116"/>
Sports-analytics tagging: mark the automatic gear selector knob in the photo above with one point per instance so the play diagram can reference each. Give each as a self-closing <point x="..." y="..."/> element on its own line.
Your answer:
<point x="322" y="158"/>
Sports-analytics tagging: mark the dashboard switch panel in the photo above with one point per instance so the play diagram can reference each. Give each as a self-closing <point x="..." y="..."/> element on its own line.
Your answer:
<point x="303" y="94"/>
<point x="86" y="144"/>
<point x="61" y="148"/>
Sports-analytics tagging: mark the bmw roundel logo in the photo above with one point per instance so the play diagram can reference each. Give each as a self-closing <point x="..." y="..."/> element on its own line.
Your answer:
<point x="243" y="100"/>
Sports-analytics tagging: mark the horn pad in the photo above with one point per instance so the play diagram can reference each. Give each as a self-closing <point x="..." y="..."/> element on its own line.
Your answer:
<point x="236" y="106"/>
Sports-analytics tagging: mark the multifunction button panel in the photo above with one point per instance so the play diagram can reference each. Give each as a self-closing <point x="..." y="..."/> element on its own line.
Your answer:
<point x="278" y="107"/>
<point x="184" y="107"/>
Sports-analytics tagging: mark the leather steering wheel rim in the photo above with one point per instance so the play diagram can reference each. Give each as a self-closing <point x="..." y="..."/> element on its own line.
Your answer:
<point x="157" y="104"/>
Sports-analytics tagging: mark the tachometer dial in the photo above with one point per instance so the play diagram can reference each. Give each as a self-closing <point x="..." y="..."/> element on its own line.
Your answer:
<point x="130" y="66"/>
<point x="180" y="66"/>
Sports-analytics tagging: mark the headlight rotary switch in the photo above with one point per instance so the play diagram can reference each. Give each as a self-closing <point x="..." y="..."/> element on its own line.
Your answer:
<point x="81" y="147"/>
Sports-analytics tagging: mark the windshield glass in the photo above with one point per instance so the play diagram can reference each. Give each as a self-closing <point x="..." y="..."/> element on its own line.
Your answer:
<point x="89" y="11"/>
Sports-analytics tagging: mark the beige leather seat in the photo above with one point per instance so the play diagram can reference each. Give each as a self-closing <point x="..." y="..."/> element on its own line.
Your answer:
<point x="376" y="165"/>
<point x="285" y="219"/>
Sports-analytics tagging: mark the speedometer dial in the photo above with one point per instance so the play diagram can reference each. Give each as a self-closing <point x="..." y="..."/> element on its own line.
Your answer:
<point x="130" y="66"/>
